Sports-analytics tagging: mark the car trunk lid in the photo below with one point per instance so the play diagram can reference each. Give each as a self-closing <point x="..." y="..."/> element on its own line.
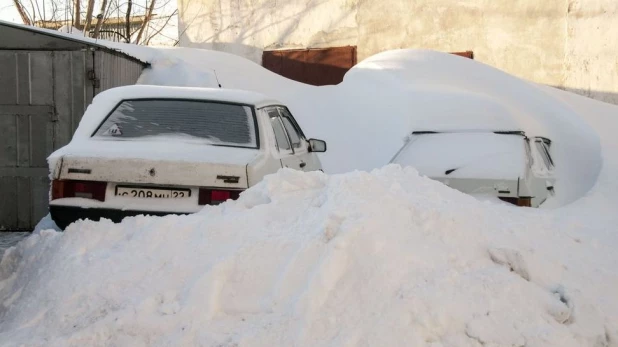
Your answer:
<point x="152" y="163"/>
<point x="144" y="171"/>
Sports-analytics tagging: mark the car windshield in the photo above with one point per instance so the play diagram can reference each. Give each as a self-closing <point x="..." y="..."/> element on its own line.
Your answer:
<point x="209" y="122"/>
<point x="466" y="155"/>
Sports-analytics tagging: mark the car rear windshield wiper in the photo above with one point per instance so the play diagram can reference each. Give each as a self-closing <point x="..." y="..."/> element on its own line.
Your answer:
<point x="450" y="171"/>
<point x="510" y="132"/>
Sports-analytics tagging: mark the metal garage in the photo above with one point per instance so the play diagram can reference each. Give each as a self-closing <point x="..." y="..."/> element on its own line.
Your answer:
<point x="47" y="80"/>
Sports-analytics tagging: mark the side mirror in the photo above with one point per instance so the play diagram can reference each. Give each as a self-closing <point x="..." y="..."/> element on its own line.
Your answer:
<point x="317" y="146"/>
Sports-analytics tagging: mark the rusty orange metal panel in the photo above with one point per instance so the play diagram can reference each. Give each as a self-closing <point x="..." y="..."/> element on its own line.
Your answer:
<point x="293" y="65"/>
<point x="322" y="66"/>
<point x="271" y="60"/>
<point x="328" y="66"/>
<point x="467" y="54"/>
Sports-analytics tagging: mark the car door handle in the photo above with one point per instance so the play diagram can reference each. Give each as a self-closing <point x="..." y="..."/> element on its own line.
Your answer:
<point x="302" y="164"/>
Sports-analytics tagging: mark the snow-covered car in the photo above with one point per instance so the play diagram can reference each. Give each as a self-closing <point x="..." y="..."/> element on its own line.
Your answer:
<point x="503" y="164"/>
<point x="170" y="150"/>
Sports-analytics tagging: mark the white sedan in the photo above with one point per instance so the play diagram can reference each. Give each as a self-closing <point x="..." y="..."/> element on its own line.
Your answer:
<point x="162" y="150"/>
<point x="507" y="165"/>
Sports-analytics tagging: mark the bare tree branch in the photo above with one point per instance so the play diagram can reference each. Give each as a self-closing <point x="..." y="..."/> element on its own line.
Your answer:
<point x="161" y="28"/>
<point x="77" y="16"/>
<point x="146" y="21"/>
<point x="128" y="21"/>
<point x="100" y="18"/>
<point x="108" y="11"/>
<point x="89" y="17"/>
<point x="54" y="10"/>
<point x="162" y="5"/>
<point x="38" y="9"/>
<point x="33" y="13"/>
<point x="22" y="12"/>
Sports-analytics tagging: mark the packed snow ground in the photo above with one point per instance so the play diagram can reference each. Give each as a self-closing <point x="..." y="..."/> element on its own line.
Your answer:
<point x="380" y="258"/>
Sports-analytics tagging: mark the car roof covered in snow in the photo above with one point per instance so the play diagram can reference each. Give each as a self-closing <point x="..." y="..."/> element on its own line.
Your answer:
<point x="167" y="92"/>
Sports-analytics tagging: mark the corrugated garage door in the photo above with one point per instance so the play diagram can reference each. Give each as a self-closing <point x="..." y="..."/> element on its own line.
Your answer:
<point x="318" y="67"/>
<point x="29" y="134"/>
<point x="42" y="101"/>
<point x="43" y="98"/>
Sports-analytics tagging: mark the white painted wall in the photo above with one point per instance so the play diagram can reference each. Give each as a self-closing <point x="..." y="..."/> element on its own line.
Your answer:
<point x="571" y="44"/>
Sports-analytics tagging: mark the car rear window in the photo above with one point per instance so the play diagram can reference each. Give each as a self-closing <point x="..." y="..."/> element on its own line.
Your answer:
<point x="214" y="123"/>
<point x="466" y="155"/>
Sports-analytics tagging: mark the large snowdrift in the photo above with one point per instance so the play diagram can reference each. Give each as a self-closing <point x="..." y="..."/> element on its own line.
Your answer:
<point x="387" y="96"/>
<point x="387" y="258"/>
<point x="381" y="258"/>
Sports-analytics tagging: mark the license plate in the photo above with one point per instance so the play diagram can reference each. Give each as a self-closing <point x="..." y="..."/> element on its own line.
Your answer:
<point x="152" y="193"/>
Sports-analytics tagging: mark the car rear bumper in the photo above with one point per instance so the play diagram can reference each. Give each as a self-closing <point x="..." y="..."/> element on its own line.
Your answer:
<point x="65" y="215"/>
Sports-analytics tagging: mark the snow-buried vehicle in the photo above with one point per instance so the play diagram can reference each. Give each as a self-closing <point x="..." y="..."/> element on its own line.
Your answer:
<point x="160" y="150"/>
<point x="504" y="164"/>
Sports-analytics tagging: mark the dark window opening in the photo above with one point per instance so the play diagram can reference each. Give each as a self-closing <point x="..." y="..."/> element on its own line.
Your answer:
<point x="214" y="123"/>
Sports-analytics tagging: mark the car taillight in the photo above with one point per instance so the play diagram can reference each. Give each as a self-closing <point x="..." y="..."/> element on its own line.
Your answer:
<point x="78" y="189"/>
<point x="215" y="197"/>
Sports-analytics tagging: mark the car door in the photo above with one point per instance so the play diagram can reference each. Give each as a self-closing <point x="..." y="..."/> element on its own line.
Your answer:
<point x="284" y="146"/>
<point x="307" y="161"/>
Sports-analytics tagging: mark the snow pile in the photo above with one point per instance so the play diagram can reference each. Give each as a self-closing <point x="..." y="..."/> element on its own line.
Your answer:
<point x="382" y="258"/>
<point x="386" y="97"/>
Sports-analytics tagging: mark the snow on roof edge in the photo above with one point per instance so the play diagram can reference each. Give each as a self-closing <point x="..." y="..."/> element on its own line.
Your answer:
<point x="178" y="92"/>
<point x="103" y="44"/>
